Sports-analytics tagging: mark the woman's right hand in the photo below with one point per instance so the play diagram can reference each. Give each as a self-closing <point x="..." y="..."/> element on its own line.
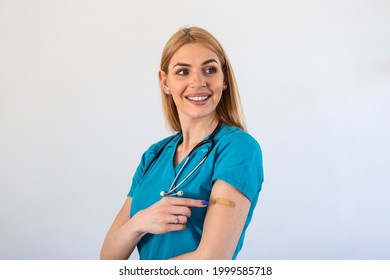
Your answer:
<point x="168" y="214"/>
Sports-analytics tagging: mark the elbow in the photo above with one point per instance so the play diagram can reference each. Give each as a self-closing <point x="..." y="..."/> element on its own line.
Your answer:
<point x="103" y="254"/>
<point x="104" y="251"/>
<point x="112" y="254"/>
<point x="107" y="254"/>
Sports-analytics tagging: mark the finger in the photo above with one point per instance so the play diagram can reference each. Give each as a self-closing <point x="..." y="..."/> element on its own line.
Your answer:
<point x="175" y="227"/>
<point x="180" y="210"/>
<point x="168" y="227"/>
<point x="182" y="219"/>
<point x="179" y="219"/>
<point x="186" y="201"/>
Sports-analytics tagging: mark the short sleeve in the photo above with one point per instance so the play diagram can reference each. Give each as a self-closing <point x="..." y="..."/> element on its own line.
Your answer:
<point x="139" y="172"/>
<point x="239" y="163"/>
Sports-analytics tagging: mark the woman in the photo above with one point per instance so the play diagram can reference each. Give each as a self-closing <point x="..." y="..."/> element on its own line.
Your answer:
<point x="193" y="194"/>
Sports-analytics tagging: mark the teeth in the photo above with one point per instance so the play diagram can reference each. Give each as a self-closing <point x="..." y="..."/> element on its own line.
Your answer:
<point x="197" y="98"/>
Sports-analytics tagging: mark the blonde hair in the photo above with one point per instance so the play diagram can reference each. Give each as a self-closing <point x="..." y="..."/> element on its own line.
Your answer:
<point x="229" y="110"/>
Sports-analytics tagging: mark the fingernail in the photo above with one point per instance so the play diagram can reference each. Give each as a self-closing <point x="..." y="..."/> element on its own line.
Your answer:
<point x="205" y="202"/>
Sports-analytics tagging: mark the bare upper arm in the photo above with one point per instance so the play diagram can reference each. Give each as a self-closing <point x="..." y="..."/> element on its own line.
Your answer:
<point x="224" y="222"/>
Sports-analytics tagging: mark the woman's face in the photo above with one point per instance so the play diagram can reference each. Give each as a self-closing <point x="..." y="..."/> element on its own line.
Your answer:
<point x="195" y="78"/>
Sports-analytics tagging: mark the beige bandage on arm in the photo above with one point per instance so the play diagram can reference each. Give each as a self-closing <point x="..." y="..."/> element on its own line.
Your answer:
<point x="224" y="201"/>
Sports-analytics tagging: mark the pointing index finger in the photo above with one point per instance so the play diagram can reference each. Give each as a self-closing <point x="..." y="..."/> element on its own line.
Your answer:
<point x="188" y="202"/>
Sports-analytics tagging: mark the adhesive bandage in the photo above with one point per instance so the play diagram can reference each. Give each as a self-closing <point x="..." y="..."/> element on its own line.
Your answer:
<point x="225" y="201"/>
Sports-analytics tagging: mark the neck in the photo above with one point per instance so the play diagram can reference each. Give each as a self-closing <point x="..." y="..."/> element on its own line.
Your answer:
<point x="195" y="132"/>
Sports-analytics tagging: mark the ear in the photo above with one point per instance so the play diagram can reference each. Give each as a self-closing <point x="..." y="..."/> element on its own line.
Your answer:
<point x="163" y="77"/>
<point x="225" y="75"/>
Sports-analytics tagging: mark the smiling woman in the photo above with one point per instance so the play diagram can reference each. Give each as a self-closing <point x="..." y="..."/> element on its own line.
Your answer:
<point x="195" y="80"/>
<point x="212" y="165"/>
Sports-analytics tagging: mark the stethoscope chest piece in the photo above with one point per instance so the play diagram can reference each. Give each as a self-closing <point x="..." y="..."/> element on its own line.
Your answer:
<point x="178" y="193"/>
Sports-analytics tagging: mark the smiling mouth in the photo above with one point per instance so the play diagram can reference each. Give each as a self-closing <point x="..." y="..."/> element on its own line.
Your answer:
<point x="198" y="98"/>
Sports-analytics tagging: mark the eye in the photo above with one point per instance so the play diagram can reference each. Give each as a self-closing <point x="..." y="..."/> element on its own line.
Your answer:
<point x="210" y="70"/>
<point x="182" y="72"/>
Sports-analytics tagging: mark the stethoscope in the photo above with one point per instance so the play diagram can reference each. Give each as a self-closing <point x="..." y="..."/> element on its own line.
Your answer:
<point x="172" y="189"/>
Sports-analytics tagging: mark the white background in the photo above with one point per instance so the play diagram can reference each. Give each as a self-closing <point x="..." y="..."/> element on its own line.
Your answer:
<point x="79" y="103"/>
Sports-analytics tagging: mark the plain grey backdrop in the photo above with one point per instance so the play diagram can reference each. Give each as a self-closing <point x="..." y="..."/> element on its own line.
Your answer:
<point x="79" y="104"/>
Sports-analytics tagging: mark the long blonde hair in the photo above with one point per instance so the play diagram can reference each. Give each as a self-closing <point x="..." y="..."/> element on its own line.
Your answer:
<point x="229" y="110"/>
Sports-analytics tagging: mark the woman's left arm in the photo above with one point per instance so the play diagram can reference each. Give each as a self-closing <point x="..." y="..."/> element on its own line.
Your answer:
<point x="223" y="225"/>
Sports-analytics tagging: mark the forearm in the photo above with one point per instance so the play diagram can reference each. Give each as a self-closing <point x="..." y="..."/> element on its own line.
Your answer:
<point x="121" y="242"/>
<point x="205" y="254"/>
<point x="189" y="256"/>
<point x="195" y="255"/>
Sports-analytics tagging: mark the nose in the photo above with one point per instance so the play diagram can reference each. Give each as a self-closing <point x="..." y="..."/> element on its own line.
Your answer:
<point x="197" y="80"/>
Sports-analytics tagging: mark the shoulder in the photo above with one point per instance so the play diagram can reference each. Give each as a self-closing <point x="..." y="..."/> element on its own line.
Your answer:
<point x="235" y="137"/>
<point x="238" y="161"/>
<point x="156" y="147"/>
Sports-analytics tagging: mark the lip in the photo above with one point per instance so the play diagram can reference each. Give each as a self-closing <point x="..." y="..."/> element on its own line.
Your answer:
<point x="199" y="102"/>
<point x="199" y="94"/>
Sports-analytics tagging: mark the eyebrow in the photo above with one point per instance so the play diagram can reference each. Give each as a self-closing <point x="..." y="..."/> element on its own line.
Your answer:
<point x="182" y="64"/>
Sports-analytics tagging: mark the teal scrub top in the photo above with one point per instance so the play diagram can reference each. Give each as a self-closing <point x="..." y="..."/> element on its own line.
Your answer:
<point x="236" y="159"/>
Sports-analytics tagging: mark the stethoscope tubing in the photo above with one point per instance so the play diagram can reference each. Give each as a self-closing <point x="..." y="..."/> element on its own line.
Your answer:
<point x="172" y="188"/>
